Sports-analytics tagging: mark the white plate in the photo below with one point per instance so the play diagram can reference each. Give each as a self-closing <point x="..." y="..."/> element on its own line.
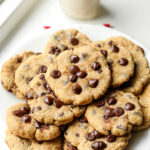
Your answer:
<point x="36" y="41"/>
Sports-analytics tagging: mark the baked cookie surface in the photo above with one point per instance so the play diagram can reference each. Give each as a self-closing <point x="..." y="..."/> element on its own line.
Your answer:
<point x="16" y="143"/>
<point x="142" y="73"/>
<point x="8" y="71"/>
<point x="79" y="76"/>
<point x="65" y="40"/>
<point x="32" y="67"/>
<point x="115" y="113"/>
<point x="119" y="60"/>
<point x="21" y="123"/>
<point x="50" y="110"/>
<point x="144" y="101"/>
<point x="82" y="136"/>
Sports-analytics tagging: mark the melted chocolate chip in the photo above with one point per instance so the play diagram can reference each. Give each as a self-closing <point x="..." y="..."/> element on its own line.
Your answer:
<point x="104" y="52"/>
<point x="21" y="112"/>
<point x="110" y="43"/>
<point x="42" y="69"/>
<point x="111" y="138"/>
<point x="74" y="59"/>
<point x="28" y="95"/>
<point x="98" y="145"/>
<point x="54" y="50"/>
<point x="58" y="103"/>
<point x="83" y="119"/>
<point x="109" y="112"/>
<point x="95" y="65"/>
<point x="42" y="77"/>
<point x="77" y="134"/>
<point x="81" y="74"/>
<point x="100" y="103"/>
<point x="123" y="61"/>
<point x="114" y="48"/>
<point x="19" y="60"/>
<point x="74" y="69"/>
<point x="48" y="100"/>
<point x="74" y="41"/>
<point x="118" y="111"/>
<point x="28" y="80"/>
<point x="56" y="74"/>
<point x="111" y="100"/>
<point x="26" y="119"/>
<point x="46" y="85"/>
<point x="97" y="134"/>
<point x="73" y="77"/>
<point x="77" y="89"/>
<point x="129" y="106"/>
<point x="90" y="136"/>
<point x="93" y="83"/>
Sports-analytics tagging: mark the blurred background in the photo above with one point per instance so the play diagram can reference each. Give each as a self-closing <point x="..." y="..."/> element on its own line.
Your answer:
<point x="19" y="17"/>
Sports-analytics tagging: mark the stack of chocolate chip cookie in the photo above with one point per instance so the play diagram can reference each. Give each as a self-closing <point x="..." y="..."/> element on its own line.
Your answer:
<point x="79" y="94"/>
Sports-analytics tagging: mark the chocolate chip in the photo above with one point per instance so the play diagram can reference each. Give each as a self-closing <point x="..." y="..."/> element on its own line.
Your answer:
<point x="110" y="62"/>
<point x="95" y="65"/>
<point x="61" y="114"/>
<point x="93" y="83"/>
<point x="56" y="74"/>
<point x="83" y="119"/>
<point x="48" y="100"/>
<point x="106" y="117"/>
<point x="123" y="61"/>
<point x="114" y="48"/>
<point x="98" y="145"/>
<point x="97" y="134"/>
<point x="74" y="41"/>
<point x="58" y="103"/>
<point x="84" y="55"/>
<point x="118" y="111"/>
<point x="100" y="103"/>
<point x="42" y="69"/>
<point x="77" y="89"/>
<point x="109" y="112"/>
<point x="54" y="50"/>
<point x="98" y="45"/>
<point x="42" y="94"/>
<point x="111" y="100"/>
<point x="90" y="136"/>
<point x="74" y="69"/>
<point x="46" y="85"/>
<point x="73" y="77"/>
<point x="42" y="77"/>
<point x="21" y="112"/>
<point x="81" y="74"/>
<point x="19" y="60"/>
<point x="77" y="134"/>
<point x="26" y="119"/>
<point x="111" y="138"/>
<point x="110" y="43"/>
<point x="28" y="95"/>
<point x="36" y="125"/>
<point x="74" y="58"/>
<point x="100" y="71"/>
<point x="104" y="52"/>
<point x="129" y="106"/>
<point x="28" y="80"/>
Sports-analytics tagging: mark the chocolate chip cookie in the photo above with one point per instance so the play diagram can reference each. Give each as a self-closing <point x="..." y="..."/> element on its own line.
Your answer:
<point x="28" y="70"/>
<point x="8" y="71"/>
<point x="16" y="143"/>
<point x="65" y="40"/>
<point x="144" y="100"/>
<point x="21" y="123"/>
<point x="115" y="113"/>
<point x="119" y="60"/>
<point x="82" y="136"/>
<point x="50" y="110"/>
<point x="142" y="73"/>
<point x="79" y="76"/>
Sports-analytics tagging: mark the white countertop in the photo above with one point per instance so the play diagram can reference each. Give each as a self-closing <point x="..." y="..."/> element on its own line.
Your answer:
<point x="128" y="16"/>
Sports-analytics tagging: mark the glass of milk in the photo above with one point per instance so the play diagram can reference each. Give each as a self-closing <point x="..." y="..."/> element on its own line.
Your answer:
<point x="81" y="9"/>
